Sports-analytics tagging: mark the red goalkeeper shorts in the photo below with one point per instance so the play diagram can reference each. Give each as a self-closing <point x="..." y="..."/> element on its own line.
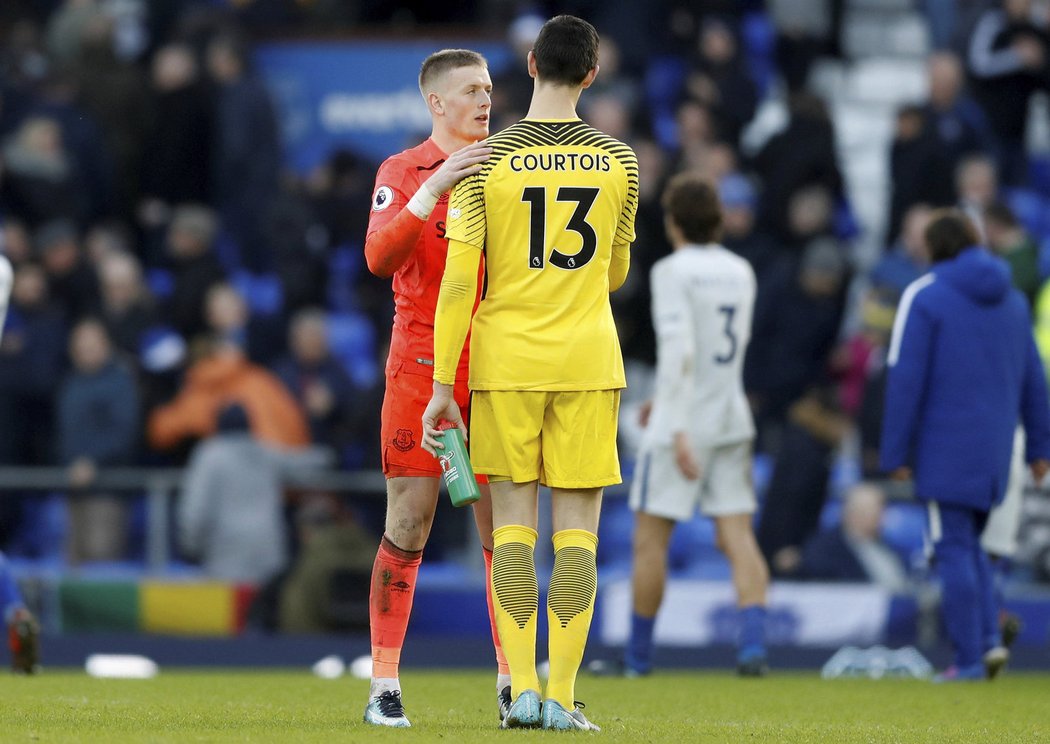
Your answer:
<point x="409" y="386"/>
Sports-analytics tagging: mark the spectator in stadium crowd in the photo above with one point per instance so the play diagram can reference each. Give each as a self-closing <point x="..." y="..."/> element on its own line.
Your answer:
<point x="326" y="588"/>
<point x="105" y="238"/>
<point x="67" y="27"/>
<point x="907" y="259"/>
<point x="806" y="30"/>
<point x="956" y="120"/>
<point x="15" y="243"/>
<point x="98" y="426"/>
<point x="511" y="86"/>
<point x="814" y="427"/>
<point x="229" y="318"/>
<point x="190" y="241"/>
<point x="339" y="413"/>
<point x="802" y="155"/>
<point x="976" y="187"/>
<point x="339" y="190"/>
<point x="246" y="150"/>
<point x="1008" y="238"/>
<point x="1007" y="59"/>
<point x="854" y="550"/>
<point x="222" y="376"/>
<point x="921" y="170"/>
<point x="694" y="135"/>
<point x="876" y="316"/>
<point x="740" y="234"/>
<point x="230" y="513"/>
<point x="632" y="302"/>
<point x="178" y="136"/>
<point x="40" y="182"/>
<point x="127" y="308"/>
<point x="72" y="279"/>
<point x="113" y="91"/>
<point x="91" y="169"/>
<point x="798" y="313"/>
<point x="32" y="359"/>
<point x="963" y="370"/>
<point x="719" y="80"/>
<point x="624" y="88"/>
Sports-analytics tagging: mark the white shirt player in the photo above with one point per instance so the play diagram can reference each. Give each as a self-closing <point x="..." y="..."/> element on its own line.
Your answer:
<point x="703" y="299"/>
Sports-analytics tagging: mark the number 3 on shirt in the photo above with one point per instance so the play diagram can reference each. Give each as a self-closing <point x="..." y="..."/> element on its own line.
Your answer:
<point x="536" y="197"/>
<point x="729" y="311"/>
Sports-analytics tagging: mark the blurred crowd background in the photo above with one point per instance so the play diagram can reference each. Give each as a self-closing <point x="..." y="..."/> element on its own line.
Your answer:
<point x="169" y="262"/>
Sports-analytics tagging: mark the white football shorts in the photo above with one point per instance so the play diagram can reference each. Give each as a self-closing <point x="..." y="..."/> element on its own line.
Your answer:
<point x="724" y="487"/>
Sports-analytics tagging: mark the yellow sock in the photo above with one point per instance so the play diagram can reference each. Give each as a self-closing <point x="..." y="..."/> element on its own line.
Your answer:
<point x="570" y="607"/>
<point x="516" y="596"/>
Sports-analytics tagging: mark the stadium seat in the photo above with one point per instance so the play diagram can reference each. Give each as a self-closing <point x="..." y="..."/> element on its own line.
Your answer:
<point x="353" y="341"/>
<point x="831" y="514"/>
<point x="887" y="80"/>
<point x="161" y="283"/>
<point x="693" y="543"/>
<point x="1031" y="209"/>
<point x="614" y="533"/>
<point x="759" y="47"/>
<point x="1039" y="174"/>
<point x="903" y="529"/>
<point x="761" y="472"/>
<point x="263" y="292"/>
<point x="664" y="79"/>
<point x="344" y="264"/>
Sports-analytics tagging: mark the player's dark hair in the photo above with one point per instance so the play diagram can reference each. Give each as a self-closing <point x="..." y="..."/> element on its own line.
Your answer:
<point x="566" y="49"/>
<point x="692" y="203"/>
<point x="438" y="63"/>
<point x="950" y="231"/>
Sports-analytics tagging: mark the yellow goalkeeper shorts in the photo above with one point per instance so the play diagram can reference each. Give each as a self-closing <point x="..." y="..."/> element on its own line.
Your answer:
<point x="563" y="439"/>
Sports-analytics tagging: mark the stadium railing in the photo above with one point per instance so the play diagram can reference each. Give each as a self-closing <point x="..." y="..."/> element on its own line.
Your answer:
<point x="160" y="486"/>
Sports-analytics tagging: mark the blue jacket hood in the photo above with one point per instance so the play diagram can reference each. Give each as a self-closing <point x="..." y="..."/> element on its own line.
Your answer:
<point x="977" y="274"/>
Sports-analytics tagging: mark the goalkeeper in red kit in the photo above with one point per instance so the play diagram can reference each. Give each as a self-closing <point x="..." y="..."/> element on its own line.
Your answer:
<point x="406" y="241"/>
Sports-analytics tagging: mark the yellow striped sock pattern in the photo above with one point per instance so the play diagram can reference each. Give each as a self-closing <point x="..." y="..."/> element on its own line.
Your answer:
<point x="570" y="607"/>
<point x="516" y="595"/>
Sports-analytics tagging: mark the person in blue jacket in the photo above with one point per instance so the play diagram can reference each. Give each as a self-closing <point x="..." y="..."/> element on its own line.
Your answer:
<point x="963" y="370"/>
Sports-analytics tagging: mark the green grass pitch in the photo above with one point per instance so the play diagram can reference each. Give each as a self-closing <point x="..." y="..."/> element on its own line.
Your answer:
<point x="459" y="708"/>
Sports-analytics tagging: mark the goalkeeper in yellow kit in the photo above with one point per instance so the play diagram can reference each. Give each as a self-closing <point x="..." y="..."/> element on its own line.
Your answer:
<point x="553" y="211"/>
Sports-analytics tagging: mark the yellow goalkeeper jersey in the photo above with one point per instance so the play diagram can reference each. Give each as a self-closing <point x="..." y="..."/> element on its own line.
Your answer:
<point x="546" y="209"/>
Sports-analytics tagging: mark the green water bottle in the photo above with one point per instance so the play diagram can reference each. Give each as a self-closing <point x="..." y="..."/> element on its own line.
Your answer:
<point x="455" y="468"/>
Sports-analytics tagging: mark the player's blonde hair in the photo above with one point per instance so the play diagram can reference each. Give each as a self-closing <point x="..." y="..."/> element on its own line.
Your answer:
<point x="438" y="63"/>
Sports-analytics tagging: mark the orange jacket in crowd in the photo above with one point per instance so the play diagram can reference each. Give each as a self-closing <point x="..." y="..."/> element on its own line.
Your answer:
<point x="221" y="379"/>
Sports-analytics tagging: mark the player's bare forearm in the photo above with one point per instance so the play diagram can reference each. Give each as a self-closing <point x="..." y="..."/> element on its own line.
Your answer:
<point x="387" y="249"/>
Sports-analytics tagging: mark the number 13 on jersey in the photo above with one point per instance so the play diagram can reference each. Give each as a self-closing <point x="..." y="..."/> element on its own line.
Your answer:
<point x="536" y="198"/>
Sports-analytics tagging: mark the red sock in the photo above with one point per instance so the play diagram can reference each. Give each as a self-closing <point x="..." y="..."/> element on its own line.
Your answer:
<point x="501" y="660"/>
<point x="390" y="604"/>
